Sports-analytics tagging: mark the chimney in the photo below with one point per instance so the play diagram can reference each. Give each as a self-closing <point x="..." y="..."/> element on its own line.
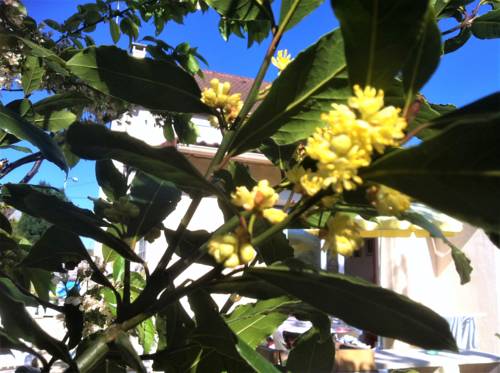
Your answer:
<point x="138" y="50"/>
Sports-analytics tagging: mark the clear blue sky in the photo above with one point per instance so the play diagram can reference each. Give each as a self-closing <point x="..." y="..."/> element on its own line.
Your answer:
<point x="462" y="77"/>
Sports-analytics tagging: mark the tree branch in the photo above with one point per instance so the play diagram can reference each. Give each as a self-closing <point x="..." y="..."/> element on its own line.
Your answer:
<point x="254" y="90"/>
<point x="31" y="173"/>
<point x="20" y="162"/>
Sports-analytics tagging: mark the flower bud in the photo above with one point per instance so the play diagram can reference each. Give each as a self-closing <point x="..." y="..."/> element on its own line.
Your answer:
<point x="274" y="216"/>
<point x="247" y="253"/>
<point x="232" y="261"/>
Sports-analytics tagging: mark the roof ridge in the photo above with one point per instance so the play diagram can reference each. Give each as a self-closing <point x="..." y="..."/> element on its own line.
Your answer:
<point x="228" y="75"/>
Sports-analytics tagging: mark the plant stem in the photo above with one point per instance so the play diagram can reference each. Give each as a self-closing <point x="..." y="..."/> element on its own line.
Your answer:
<point x="254" y="90"/>
<point x="467" y="21"/>
<point x="251" y="224"/>
<point x="93" y="355"/>
<point x="179" y="232"/>
<point x="126" y="283"/>
<point x="20" y="162"/>
<point x="31" y="173"/>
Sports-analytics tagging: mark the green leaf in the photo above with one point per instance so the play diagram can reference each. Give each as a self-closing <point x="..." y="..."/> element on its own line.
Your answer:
<point x="424" y="57"/>
<point x="462" y="263"/>
<point x="42" y="282"/>
<point x="186" y="130"/>
<point x="7" y="342"/>
<point x="129" y="28"/>
<point x="5" y="224"/>
<point x="63" y="214"/>
<point x="486" y="108"/>
<point x="55" y="248"/>
<point x="55" y="121"/>
<point x="312" y="354"/>
<point x="23" y="149"/>
<point x="377" y="36"/>
<point x="456" y="172"/>
<point x="439" y="5"/>
<point x="146" y="333"/>
<point x="19" y="325"/>
<point x="247" y="287"/>
<point x="114" y="30"/>
<point x="178" y="325"/>
<point x="254" y="359"/>
<point x="22" y="129"/>
<point x="32" y="76"/>
<point x="112" y="182"/>
<point x="190" y="244"/>
<point x="305" y="89"/>
<point x="363" y="305"/>
<point x="128" y="353"/>
<point x="487" y="26"/>
<point x="456" y="42"/>
<point x="118" y="269"/>
<point x="252" y="323"/>
<point x="97" y="142"/>
<point x="212" y="333"/>
<point x="251" y="16"/>
<point x="241" y="176"/>
<point x="57" y="102"/>
<point x="153" y="84"/>
<point x="182" y="359"/>
<point x="275" y="248"/>
<point x="303" y="9"/>
<point x="155" y="198"/>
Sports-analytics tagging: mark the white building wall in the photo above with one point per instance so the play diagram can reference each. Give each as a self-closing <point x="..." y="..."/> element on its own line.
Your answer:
<point x="423" y="270"/>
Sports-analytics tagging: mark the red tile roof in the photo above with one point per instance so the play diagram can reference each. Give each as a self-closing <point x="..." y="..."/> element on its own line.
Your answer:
<point x="239" y="84"/>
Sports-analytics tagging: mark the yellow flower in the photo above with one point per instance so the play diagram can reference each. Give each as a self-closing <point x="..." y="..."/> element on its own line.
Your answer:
<point x="232" y="261"/>
<point x="339" y="149"/>
<point x="367" y="101"/>
<point x="343" y="234"/>
<point x="282" y="59"/>
<point x="265" y="196"/>
<point x="388" y="201"/>
<point x="243" y="198"/>
<point x="311" y="183"/>
<point x="386" y="128"/>
<point x="384" y="124"/>
<point x="274" y="216"/>
<point x="261" y="197"/>
<point x="221" y="247"/>
<point x="347" y="141"/>
<point x="231" y="249"/>
<point x="247" y="253"/>
<point x="218" y="96"/>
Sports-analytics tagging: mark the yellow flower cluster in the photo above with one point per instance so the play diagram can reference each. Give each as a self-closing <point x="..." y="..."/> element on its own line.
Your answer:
<point x="261" y="199"/>
<point x="343" y="235"/>
<point x="388" y="201"/>
<point x="219" y="97"/>
<point x="282" y="59"/>
<point x="346" y="143"/>
<point x="231" y="250"/>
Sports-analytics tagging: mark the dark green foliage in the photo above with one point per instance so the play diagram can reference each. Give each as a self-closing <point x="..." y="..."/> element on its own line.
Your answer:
<point x="32" y="228"/>
<point x="394" y="45"/>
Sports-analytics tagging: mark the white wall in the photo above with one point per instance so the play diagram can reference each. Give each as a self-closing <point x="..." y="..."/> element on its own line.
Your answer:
<point x="423" y="270"/>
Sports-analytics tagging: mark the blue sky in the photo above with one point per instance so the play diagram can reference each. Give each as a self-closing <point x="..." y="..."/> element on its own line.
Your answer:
<point x="462" y="77"/>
